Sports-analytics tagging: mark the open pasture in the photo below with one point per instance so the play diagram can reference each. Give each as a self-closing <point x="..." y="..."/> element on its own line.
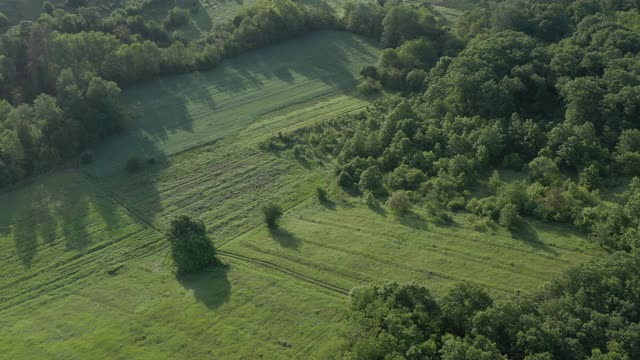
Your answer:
<point x="141" y="310"/>
<point x="347" y="244"/>
<point x="175" y="113"/>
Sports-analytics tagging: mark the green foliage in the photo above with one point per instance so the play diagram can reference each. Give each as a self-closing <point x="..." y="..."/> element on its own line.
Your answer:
<point x="408" y="312"/>
<point x="544" y="170"/>
<point x="369" y="87"/>
<point x="370" y="200"/>
<point x="321" y="194"/>
<point x="627" y="153"/>
<point x="82" y="57"/>
<point x="272" y="213"/>
<point x="363" y="18"/>
<point x="509" y="216"/>
<point x="460" y="305"/>
<point x="479" y="347"/>
<point x="399" y="202"/>
<point x="176" y="17"/>
<point x="371" y="180"/>
<point x="405" y="320"/>
<point x="405" y="178"/>
<point x="191" y="248"/>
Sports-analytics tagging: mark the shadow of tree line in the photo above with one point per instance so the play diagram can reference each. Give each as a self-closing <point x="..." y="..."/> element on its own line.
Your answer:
<point x="60" y="209"/>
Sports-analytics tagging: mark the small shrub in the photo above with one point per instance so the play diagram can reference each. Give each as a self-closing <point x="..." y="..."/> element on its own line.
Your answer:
<point x="509" y="216"/>
<point x="114" y="270"/>
<point x="370" y="200"/>
<point x="442" y="217"/>
<point x="369" y="71"/>
<point x="298" y="150"/>
<point x="513" y="161"/>
<point x="399" y="202"/>
<point x="457" y="203"/>
<point x="369" y="87"/>
<point x="133" y="164"/>
<point x="321" y="193"/>
<point x="345" y="180"/>
<point x="272" y="214"/>
<point x="152" y="161"/>
<point x="371" y="180"/>
<point x="284" y="343"/>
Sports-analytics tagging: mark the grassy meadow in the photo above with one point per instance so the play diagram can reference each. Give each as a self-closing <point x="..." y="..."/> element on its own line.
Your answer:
<point x="318" y="72"/>
<point x="85" y="271"/>
<point x="347" y="244"/>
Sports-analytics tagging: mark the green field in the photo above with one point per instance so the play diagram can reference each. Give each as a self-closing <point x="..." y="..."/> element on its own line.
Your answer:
<point x="85" y="271"/>
<point x="175" y="113"/>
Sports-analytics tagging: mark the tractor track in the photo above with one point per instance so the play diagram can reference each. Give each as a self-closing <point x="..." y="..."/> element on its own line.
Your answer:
<point x="263" y="263"/>
<point x="287" y="271"/>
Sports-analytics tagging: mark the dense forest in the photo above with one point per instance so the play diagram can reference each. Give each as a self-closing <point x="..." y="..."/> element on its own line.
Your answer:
<point x="590" y="312"/>
<point x="547" y="91"/>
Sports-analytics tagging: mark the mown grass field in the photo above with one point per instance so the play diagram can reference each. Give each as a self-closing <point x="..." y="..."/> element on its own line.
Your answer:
<point x="85" y="272"/>
<point x="176" y="113"/>
<point x="348" y="244"/>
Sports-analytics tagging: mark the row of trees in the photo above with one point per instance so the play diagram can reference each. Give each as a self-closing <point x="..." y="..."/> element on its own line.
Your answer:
<point x="34" y="137"/>
<point x="590" y="312"/>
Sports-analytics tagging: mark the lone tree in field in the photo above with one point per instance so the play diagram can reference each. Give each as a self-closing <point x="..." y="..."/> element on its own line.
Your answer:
<point x="272" y="214"/>
<point x="191" y="248"/>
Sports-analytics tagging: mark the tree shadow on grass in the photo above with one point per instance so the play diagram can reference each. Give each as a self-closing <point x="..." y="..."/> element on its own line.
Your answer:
<point x="378" y="210"/>
<point x="303" y="161"/>
<point x="210" y="287"/>
<point x="329" y="204"/>
<point x="529" y="235"/>
<point x="414" y="220"/>
<point x="285" y="238"/>
<point x="55" y="207"/>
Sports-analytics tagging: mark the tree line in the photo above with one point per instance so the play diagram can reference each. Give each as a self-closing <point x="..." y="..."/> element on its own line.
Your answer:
<point x="589" y="312"/>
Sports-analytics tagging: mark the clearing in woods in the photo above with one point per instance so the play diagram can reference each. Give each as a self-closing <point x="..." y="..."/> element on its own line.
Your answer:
<point x="84" y="269"/>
